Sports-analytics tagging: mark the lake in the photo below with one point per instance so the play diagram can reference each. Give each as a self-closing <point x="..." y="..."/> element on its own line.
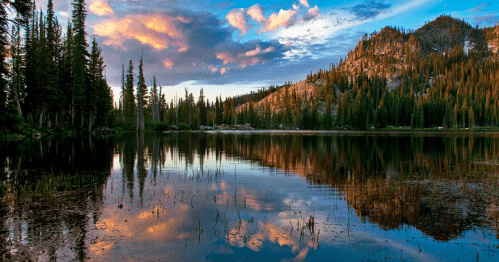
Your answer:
<point x="246" y="196"/>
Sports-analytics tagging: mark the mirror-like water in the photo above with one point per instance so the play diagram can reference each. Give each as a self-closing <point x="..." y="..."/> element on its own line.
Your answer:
<point x="251" y="196"/>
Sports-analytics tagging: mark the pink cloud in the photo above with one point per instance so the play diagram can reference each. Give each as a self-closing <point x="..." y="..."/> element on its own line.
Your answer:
<point x="314" y="11"/>
<point x="226" y="58"/>
<point x="237" y="18"/>
<point x="285" y="18"/>
<point x="156" y="30"/>
<point x="254" y="52"/>
<point x="213" y="68"/>
<point x="253" y="61"/>
<point x="258" y="51"/>
<point x="168" y="63"/>
<point x="256" y="13"/>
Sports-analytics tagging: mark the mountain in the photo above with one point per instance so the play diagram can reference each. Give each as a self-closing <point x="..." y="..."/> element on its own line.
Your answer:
<point x="392" y="74"/>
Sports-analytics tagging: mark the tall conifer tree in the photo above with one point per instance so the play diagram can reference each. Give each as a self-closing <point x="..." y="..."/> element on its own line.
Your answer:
<point x="80" y="59"/>
<point x="141" y="93"/>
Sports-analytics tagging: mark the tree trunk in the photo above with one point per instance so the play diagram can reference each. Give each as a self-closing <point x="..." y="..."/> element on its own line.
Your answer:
<point x="90" y="119"/>
<point x="40" y="119"/>
<point x="49" y="121"/>
<point x="16" y="93"/>
<point x="72" y="107"/>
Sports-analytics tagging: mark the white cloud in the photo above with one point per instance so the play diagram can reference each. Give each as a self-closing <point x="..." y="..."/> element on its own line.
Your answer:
<point x="317" y="31"/>
<point x="304" y="3"/>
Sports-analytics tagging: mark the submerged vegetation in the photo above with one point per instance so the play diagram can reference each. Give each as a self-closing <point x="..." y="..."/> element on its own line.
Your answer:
<point x="26" y="185"/>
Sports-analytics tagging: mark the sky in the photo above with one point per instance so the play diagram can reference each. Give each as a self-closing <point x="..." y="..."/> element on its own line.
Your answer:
<point x="235" y="47"/>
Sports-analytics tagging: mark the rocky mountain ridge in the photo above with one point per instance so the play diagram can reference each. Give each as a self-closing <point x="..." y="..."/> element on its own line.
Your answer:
<point x="388" y="53"/>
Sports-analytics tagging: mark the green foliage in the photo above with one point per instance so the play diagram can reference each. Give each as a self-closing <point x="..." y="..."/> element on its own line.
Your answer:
<point x="156" y="126"/>
<point x="125" y="126"/>
<point x="184" y="126"/>
<point x="12" y="122"/>
<point x="54" y="81"/>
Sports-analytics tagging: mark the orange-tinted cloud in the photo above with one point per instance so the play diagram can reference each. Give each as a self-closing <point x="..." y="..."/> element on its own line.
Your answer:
<point x="213" y="68"/>
<point x="226" y="58"/>
<point x="157" y="30"/>
<point x="258" y="51"/>
<point x="223" y="70"/>
<point x="183" y="49"/>
<point x="284" y="18"/>
<point x="246" y="62"/>
<point x="101" y="247"/>
<point x="256" y="13"/>
<point x="168" y="63"/>
<point x="99" y="7"/>
<point x="244" y="59"/>
<point x="253" y="52"/>
<point x="237" y="18"/>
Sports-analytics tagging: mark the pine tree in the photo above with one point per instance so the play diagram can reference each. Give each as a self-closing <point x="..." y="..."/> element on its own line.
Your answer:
<point x="22" y="7"/>
<point x="99" y="99"/>
<point x="141" y="93"/>
<point x="129" y="97"/>
<point x="122" y="94"/>
<point x="16" y="83"/>
<point x="80" y="60"/>
<point x="66" y="74"/>
<point x="203" y="114"/>
<point x="218" y="111"/>
<point x="154" y="101"/>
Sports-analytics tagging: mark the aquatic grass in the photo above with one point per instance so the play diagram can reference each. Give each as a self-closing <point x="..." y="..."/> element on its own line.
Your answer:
<point x="33" y="184"/>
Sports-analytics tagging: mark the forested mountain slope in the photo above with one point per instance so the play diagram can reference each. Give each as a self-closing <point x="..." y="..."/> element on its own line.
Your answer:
<point x="446" y="73"/>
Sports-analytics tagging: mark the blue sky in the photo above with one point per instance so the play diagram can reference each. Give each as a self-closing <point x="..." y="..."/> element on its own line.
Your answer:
<point x="233" y="47"/>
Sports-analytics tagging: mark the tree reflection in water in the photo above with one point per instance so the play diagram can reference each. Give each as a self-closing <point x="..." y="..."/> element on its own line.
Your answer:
<point x="431" y="183"/>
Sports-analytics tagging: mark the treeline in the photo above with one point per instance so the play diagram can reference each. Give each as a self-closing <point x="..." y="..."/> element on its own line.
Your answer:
<point x="183" y="112"/>
<point x="256" y="96"/>
<point x="51" y="79"/>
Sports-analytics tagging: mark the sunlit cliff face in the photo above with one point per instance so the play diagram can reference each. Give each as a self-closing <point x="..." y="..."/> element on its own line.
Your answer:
<point x="156" y="30"/>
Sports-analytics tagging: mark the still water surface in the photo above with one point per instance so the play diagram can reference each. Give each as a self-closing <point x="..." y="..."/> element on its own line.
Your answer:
<point x="252" y="196"/>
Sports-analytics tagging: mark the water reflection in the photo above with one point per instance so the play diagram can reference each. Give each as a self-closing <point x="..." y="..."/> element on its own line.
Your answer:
<point x="246" y="195"/>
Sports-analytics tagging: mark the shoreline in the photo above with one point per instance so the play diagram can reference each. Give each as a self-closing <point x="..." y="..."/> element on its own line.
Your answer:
<point x="359" y="132"/>
<point x="387" y="131"/>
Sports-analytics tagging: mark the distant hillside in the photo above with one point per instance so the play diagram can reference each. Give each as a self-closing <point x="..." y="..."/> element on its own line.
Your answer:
<point x="446" y="73"/>
<point x="391" y="49"/>
<point x="297" y="93"/>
